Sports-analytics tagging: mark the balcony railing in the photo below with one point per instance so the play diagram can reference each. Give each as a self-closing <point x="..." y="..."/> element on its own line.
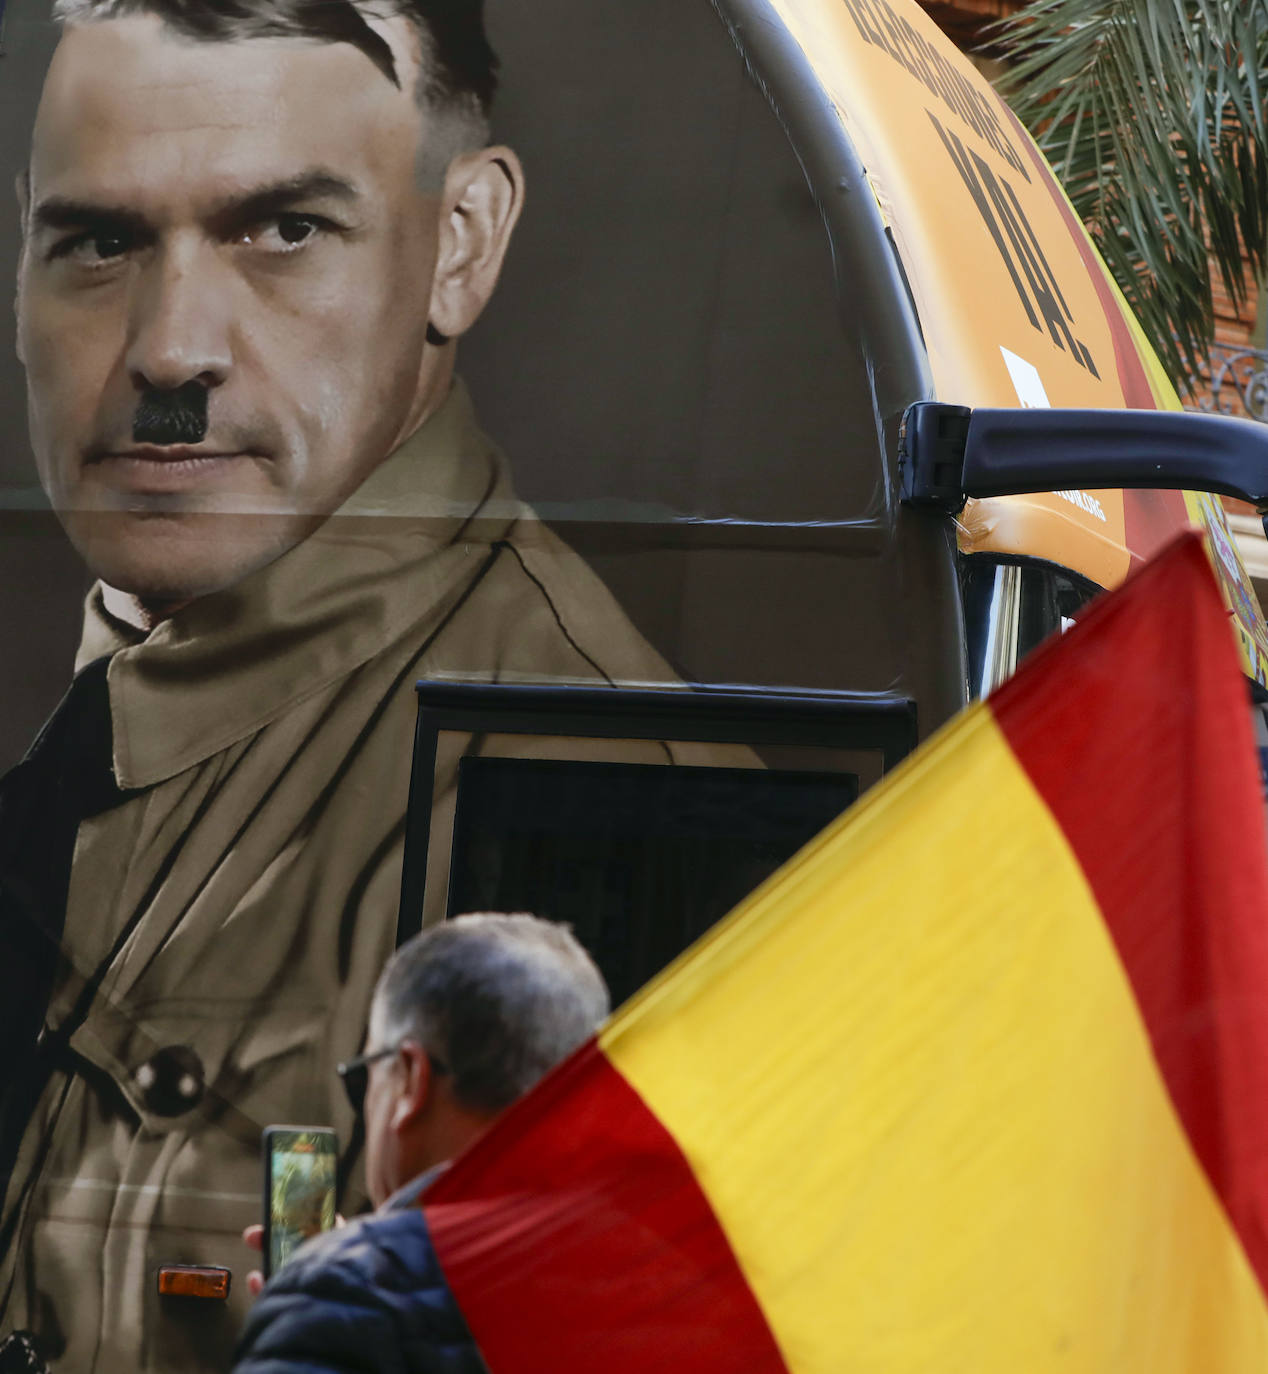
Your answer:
<point x="1234" y="383"/>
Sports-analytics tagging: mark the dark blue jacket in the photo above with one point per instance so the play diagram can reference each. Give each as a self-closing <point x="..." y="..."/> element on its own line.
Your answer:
<point x="368" y="1297"/>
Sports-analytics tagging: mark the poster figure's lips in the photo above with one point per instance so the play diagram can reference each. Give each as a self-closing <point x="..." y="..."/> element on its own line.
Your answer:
<point x="162" y="468"/>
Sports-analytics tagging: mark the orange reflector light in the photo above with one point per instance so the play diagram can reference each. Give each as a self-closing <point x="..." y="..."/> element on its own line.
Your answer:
<point x="193" y="1281"/>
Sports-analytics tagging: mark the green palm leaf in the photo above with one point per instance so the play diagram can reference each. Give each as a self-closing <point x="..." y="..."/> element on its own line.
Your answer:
<point x="1152" y="113"/>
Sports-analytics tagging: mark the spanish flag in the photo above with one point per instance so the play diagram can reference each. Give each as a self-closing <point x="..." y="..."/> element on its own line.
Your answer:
<point x="978" y="1082"/>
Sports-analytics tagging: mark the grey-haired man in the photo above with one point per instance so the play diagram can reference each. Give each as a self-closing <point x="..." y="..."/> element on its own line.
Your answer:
<point x="466" y="1018"/>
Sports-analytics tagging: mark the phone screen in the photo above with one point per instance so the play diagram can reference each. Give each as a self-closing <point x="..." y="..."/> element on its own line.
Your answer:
<point x="299" y="1189"/>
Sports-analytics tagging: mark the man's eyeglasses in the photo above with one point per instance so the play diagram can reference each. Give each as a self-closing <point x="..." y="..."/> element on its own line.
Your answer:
<point x="355" y="1073"/>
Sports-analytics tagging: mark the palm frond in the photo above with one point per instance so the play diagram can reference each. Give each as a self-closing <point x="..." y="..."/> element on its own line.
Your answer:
<point x="1153" y="115"/>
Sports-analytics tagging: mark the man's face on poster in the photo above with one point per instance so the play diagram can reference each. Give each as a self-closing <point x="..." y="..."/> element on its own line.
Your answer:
<point x="229" y="267"/>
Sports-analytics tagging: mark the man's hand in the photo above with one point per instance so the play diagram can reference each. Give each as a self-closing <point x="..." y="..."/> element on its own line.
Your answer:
<point x="253" y="1239"/>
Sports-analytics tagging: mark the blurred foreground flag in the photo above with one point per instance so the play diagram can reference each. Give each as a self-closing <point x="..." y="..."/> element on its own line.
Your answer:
<point x="977" y="1082"/>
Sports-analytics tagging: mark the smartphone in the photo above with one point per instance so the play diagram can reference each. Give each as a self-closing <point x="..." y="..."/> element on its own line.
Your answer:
<point x="299" y="1188"/>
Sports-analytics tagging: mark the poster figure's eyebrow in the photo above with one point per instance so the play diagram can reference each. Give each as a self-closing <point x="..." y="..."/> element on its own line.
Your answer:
<point x="279" y="196"/>
<point x="59" y="213"/>
<point x="257" y="203"/>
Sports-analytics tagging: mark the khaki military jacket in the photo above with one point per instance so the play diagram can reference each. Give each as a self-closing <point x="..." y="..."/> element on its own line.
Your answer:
<point x="244" y="897"/>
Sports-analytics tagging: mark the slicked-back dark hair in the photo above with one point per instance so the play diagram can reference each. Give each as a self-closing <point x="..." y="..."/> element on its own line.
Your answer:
<point x="459" y="66"/>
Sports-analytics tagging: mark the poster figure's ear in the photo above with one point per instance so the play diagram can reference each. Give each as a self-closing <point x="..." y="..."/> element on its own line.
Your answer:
<point x="22" y="185"/>
<point x="480" y="205"/>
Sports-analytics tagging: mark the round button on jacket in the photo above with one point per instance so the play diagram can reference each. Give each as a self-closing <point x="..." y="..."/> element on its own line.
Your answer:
<point x="171" y="1081"/>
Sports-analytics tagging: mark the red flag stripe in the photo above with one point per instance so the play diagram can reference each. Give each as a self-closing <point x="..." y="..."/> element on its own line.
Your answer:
<point x="1177" y="877"/>
<point x="595" y="1199"/>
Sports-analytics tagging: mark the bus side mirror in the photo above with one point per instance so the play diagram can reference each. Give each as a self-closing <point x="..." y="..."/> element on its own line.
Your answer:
<point x="947" y="454"/>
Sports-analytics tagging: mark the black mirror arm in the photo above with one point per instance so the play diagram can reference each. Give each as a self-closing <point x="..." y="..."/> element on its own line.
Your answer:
<point x="948" y="454"/>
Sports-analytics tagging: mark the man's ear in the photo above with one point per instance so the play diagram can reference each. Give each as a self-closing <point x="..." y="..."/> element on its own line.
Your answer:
<point x="415" y="1094"/>
<point x="480" y="206"/>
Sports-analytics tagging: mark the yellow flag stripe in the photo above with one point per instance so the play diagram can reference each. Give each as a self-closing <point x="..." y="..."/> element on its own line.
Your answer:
<point x="1016" y="1196"/>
